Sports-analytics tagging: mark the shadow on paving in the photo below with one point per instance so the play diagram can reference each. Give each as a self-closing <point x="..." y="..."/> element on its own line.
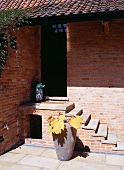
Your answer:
<point x="80" y="149"/>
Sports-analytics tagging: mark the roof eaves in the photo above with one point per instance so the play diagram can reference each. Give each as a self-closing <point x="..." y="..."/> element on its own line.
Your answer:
<point x="105" y="15"/>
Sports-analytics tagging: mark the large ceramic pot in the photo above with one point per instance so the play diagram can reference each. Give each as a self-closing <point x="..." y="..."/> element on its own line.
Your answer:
<point x="65" y="142"/>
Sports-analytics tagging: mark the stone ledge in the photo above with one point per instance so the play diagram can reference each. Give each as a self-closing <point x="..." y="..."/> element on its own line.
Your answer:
<point x="49" y="106"/>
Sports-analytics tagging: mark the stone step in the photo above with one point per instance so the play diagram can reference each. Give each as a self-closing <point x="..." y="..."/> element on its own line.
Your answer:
<point x="92" y="125"/>
<point x="86" y="118"/>
<point x="111" y="138"/>
<point x="120" y="147"/>
<point x="66" y="107"/>
<point x="1" y="138"/>
<point x="56" y="98"/>
<point x="102" y="131"/>
<point x="74" y="112"/>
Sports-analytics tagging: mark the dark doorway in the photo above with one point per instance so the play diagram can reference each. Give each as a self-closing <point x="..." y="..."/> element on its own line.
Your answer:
<point x="36" y="127"/>
<point x="53" y="60"/>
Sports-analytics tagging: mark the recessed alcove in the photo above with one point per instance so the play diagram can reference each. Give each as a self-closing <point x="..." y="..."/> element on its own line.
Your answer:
<point x="36" y="126"/>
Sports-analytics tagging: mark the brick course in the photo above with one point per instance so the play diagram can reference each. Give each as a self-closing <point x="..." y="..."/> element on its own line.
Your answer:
<point x="95" y="74"/>
<point x="95" y="80"/>
<point x="95" y="70"/>
<point x="22" y="69"/>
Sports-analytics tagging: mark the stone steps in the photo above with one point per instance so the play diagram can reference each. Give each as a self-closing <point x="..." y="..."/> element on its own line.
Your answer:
<point x="98" y="133"/>
<point x="86" y="118"/>
<point x="92" y="125"/>
<point x="120" y="147"/>
<point x="74" y="112"/>
<point x="102" y="131"/>
<point x="111" y="138"/>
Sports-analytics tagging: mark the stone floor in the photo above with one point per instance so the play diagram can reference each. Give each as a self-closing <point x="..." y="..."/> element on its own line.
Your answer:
<point x="37" y="158"/>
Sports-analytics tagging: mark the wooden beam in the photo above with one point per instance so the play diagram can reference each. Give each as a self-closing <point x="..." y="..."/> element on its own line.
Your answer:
<point x="105" y="26"/>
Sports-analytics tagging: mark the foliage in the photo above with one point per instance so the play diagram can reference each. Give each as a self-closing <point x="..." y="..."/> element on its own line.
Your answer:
<point x="40" y="85"/>
<point x="56" y="124"/>
<point x="10" y="20"/>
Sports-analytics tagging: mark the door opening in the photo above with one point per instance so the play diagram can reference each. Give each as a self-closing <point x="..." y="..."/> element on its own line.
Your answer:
<point x="53" y="60"/>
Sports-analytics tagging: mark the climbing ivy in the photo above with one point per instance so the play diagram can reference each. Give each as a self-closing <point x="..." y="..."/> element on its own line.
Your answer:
<point x="10" y="21"/>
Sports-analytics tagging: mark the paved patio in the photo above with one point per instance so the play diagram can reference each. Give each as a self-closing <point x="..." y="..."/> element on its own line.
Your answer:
<point x="37" y="158"/>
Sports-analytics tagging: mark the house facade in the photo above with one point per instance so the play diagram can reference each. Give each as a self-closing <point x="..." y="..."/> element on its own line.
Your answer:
<point x="76" y="49"/>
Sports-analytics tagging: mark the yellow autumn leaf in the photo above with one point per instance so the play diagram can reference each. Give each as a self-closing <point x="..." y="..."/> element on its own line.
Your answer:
<point x="75" y="121"/>
<point x="80" y="119"/>
<point x="58" y="126"/>
<point x="61" y="117"/>
<point x="53" y="123"/>
<point x="50" y="128"/>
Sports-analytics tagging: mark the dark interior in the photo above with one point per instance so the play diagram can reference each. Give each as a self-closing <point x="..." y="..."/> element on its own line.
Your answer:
<point x="36" y="127"/>
<point x="53" y="60"/>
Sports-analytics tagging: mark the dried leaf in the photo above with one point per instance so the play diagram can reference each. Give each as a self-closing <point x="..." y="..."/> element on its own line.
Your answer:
<point x="50" y="119"/>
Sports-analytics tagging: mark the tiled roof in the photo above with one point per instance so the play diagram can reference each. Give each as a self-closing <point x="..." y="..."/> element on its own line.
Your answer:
<point x="45" y="8"/>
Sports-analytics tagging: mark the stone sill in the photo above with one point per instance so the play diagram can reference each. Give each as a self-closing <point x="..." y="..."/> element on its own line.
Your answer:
<point x="49" y="106"/>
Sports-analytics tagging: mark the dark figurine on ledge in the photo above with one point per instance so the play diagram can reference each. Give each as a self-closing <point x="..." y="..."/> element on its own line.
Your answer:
<point x="39" y="92"/>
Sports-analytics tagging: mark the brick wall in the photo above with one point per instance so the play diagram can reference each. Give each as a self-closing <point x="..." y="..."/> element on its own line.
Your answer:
<point x="95" y="74"/>
<point x="95" y="70"/>
<point x="21" y="71"/>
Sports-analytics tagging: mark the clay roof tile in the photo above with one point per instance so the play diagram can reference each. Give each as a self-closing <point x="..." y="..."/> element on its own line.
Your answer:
<point x="42" y="8"/>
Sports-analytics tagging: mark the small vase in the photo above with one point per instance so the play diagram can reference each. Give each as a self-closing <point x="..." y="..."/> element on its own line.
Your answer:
<point x="39" y="94"/>
<point x="65" y="142"/>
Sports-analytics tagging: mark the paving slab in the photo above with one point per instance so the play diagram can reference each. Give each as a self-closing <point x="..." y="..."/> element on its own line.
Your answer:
<point x="115" y="160"/>
<point x="11" y="157"/>
<point x="12" y="166"/>
<point x="38" y="161"/>
<point x="25" y="159"/>
<point x="87" y="166"/>
<point x="51" y="153"/>
<point x="93" y="157"/>
<point x="28" y="150"/>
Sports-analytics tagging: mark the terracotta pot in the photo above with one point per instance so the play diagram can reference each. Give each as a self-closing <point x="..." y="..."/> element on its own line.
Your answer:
<point x="64" y="143"/>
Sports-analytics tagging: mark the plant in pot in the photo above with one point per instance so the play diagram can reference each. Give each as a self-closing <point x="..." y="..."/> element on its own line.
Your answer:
<point x="64" y="132"/>
<point x="39" y="92"/>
